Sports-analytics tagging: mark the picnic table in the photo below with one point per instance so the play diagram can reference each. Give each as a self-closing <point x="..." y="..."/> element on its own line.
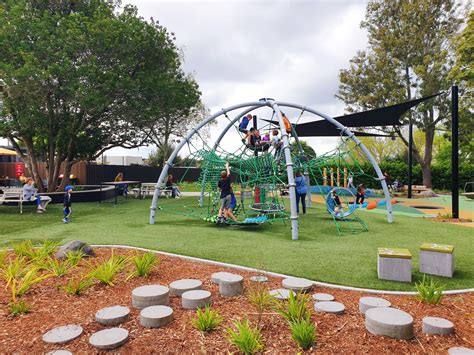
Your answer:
<point x="117" y="185"/>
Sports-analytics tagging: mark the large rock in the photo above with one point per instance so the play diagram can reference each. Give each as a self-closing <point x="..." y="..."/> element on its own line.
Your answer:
<point x="73" y="246"/>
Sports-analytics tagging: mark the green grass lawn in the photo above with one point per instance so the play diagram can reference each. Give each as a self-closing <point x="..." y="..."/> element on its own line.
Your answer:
<point x="319" y="254"/>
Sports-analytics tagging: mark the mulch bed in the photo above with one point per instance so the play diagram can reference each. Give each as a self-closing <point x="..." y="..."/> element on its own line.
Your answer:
<point x="52" y="307"/>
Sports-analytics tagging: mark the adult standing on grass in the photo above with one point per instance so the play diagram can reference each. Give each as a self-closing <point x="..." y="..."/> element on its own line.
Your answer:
<point x="30" y="194"/>
<point x="225" y="185"/>
<point x="67" y="210"/>
<point x="301" y="191"/>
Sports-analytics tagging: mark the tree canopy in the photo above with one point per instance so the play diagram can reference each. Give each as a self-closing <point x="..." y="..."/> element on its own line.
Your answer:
<point x="78" y="79"/>
<point x="409" y="55"/>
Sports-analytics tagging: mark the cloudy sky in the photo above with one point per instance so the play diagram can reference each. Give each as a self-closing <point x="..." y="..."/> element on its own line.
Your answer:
<point x="242" y="50"/>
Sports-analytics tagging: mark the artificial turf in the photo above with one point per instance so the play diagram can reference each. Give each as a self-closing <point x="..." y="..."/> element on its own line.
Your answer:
<point x="319" y="254"/>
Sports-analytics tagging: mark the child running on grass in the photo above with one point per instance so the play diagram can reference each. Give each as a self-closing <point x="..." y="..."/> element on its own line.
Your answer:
<point x="225" y="185"/>
<point x="67" y="204"/>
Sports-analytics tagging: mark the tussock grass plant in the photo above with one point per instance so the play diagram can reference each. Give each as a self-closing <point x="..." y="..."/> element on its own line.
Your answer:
<point x="207" y="320"/>
<point x="56" y="267"/>
<point x="248" y="340"/>
<point x="73" y="258"/>
<point x="3" y="258"/>
<point x="106" y="271"/>
<point x="18" y="308"/>
<point x="25" y="248"/>
<point x="76" y="285"/>
<point x="143" y="264"/>
<point x="429" y="290"/>
<point x="303" y="333"/>
<point x="296" y="309"/>
<point x="13" y="269"/>
<point x="260" y="298"/>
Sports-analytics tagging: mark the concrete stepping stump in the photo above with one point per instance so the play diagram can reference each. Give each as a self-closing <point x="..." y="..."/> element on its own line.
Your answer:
<point x="459" y="350"/>
<point x="437" y="259"/>
<point x="112" y="315"/>
<point x="297" y="284"/>
<point x="179" y="287"/>
<point x="321" y="297"/>
<point x="62" y="335"/>
<point x="258" y="278"/>
<point x="59" y="352"/>
<point x="435" y="325"/>
<point x="329" y="307"/>
<point x="390" y="322"/>
<point x="150" y="295"/>
<point x="156" y="316"/>
<point x="394" y="264"/>
<point x="280" y="293"/>
<point x="231" y="285"/>
<point x="216" y="277"/>
<point x="109" y="339"/>
<point x="366" y="303"/>
<point x="195" y="299"/>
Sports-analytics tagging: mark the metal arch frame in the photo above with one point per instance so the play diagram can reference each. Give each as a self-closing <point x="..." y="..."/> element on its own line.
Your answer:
<point x="286" y="148"/>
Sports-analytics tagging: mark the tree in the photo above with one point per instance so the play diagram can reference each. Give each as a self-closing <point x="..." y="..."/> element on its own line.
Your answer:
<point x="307" y="149"/>
<point x="463" y="74"/>
<point x="158" y="157"/>
<point x="79" y="79"/>
<point x="409" y="56"/>
<point x="381" y="148"/>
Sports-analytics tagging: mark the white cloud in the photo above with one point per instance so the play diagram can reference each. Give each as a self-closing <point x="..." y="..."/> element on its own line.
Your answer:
<point x="241" y="51"/>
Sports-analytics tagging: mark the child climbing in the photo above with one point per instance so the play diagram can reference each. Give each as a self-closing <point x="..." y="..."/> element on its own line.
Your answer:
<point x="360" y="196"/>
<point x="287" y="123"/>
<point x="225" y="185"/>
<point x="276" y="144"/>
<point x="243" y="126"/>
<point x="301" y="191"/>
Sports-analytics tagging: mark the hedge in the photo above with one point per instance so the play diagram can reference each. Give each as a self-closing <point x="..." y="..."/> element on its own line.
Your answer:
<point x="440" y="174"/>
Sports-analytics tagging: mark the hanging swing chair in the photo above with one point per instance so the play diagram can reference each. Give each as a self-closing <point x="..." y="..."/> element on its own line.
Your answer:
<point x="340" y="202"/>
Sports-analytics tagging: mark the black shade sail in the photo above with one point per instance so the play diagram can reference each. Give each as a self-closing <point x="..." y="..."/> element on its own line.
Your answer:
<point x="379" y="117"/>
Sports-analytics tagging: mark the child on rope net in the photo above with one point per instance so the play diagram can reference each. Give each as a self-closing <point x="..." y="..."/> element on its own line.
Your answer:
<point x="276" y="144"/>
<point x="225" y="185"/>
<point x="243" y="126"/>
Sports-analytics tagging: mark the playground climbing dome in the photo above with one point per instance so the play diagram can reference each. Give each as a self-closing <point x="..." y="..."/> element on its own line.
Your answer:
<point x="261" y="178"/>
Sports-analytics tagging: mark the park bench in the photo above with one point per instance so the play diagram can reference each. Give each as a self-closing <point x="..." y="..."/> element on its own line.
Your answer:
<point x="14" y="196"/>
<point x="148" y="189"/>
<point x="417" y="188"/>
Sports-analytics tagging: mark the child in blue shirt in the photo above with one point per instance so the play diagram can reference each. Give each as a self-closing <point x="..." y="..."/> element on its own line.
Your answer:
<point x="67" y="204"/>
<point x="243" y="126"/>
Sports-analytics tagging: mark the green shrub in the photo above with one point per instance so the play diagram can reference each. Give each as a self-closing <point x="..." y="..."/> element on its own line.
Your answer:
<point x="296" y="309"/>
<point x="106" y="272"/>
<point x="73" y="258"/>
<point x="248" y="340"/>
<point x="75" y="286"/>
<point x="304" y="333"/>
<point x="143" y="264"/>
<point x="429" y="290"/>
<point x="19" y="308"/>
<point x="207" y="320"/>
